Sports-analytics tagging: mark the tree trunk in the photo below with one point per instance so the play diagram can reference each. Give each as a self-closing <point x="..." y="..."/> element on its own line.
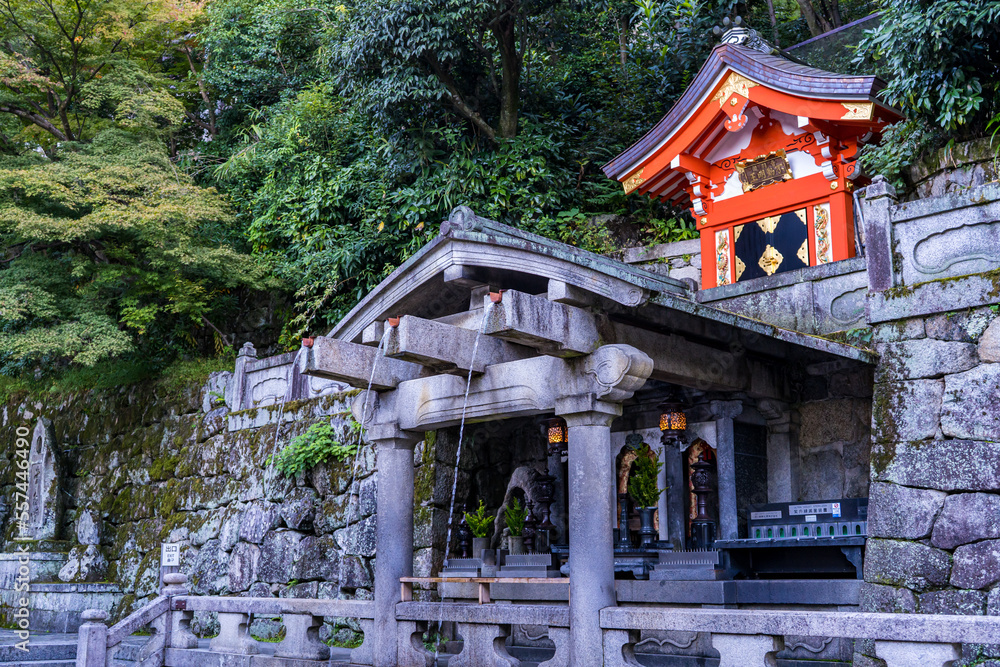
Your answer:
<point x="817" y="22"/>
<point x="774" y="23"/>
<point x="624" y="25"/>
<point x="510" y="84"/>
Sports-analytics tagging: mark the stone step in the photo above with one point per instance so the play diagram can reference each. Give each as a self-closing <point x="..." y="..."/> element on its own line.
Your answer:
<point x="40" y="663"/>
<point x="38" y="651"/>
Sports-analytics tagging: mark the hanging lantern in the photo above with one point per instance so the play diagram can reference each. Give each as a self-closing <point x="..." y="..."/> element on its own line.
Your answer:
<point x="673" y="421"/>
<point x="555" y="429"/>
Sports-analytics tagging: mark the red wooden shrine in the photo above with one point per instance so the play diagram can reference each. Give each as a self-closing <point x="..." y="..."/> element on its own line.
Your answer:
<point x="762" y="150"/>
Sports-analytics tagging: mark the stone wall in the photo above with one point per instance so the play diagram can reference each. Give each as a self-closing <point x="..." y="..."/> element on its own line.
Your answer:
<point x="933" y="302"/>
<point x="680" y="260"/>
<point x="834" y="433"/>
<point x="934" y="531"/>
<point x="143" y="467"/>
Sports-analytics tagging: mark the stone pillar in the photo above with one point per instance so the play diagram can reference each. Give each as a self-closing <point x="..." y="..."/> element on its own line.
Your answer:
<point x="592" y="557"/>
<point x="782" y="452"/>
<point x="662" y="505"/>
<point x="673" y="457"/>
<point x="557" y="512"/>
<point x="236" y="397"/>
<point x="876" y="210"/>
<point x="724" y="412"/>
<point x="393" y="532"/>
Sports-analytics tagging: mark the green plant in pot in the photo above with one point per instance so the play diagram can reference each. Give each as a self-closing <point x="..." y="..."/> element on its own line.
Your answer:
<point x="479" y="523"/>
<point x="514" y="516"/>
<point x="645" y="490"/>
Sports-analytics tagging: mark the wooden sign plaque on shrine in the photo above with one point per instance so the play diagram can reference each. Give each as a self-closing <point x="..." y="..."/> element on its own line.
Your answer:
<point x="762" y="149"/>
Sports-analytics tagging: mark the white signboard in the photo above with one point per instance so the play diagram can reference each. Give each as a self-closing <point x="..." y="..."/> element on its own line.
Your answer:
<point x="170" y="555"/>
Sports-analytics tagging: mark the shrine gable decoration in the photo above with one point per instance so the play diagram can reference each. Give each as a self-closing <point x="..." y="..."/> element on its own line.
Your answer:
<point x="762" y="150"/>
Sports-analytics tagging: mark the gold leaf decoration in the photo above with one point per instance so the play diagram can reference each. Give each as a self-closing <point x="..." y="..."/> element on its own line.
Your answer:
<point x="803" y="253"/>
<point x="740" y="268"/>
<point x="735" y="83"/>
<point x="858" y="110"/>
<point x="737" y="230"/>
<point x="769" y="224"/>
<point x="802" y="215"/>
<point x="770" y="260"/>
<point x="634" y="181"/>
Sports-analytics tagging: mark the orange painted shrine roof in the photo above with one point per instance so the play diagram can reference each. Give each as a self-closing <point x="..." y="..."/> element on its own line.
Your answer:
<point x="795" y="83"/>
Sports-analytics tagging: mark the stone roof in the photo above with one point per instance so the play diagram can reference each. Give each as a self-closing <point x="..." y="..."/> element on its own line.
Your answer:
<point x="471" y="251"/>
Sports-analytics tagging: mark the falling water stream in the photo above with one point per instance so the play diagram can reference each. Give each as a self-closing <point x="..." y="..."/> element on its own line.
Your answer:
<point x="354" y="468"/>
<point x="458" y="458"/>
<point x="357" y="453"/>
<point x="269" y="472"/>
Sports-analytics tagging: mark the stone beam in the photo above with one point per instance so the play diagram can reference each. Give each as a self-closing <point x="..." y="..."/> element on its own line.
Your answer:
<point x="680" y="361"/>
<point x="549" y="327"/>
<point x="515" y="388"/>
<point x="445" y="348"/>
<point x="352" y="363"/>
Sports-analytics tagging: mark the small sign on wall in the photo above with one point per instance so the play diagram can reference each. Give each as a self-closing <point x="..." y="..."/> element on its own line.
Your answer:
<point x="170" y="555"/>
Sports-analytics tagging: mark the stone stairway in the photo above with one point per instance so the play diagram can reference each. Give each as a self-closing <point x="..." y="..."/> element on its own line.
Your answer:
<point x="44" y="650"/>
<point x="55" y="650"/>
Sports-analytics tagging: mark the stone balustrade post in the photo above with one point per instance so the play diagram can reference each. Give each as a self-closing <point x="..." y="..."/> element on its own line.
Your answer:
<point x="876" y="210"/>
<point x="302" y="638"/>
<point x="363" y="654"/>
<point x="910" y="654"/>
<point x="747" y="650"/>
<point x="179" y="626"/>
<point x="234" y="635"/>
<point x="393" y="533"/>
<point x="92" y="640"/>
<point x="619" y="648"/>
<point x="410" y="647"/>
<point x="484" y="645"/>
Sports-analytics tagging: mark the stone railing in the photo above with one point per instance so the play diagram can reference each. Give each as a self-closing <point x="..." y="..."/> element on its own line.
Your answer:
<point x="173" y="645"/>
<point x="929" y="253"/>
<point x="483" y="629"/>
<point x="751" y="638"/>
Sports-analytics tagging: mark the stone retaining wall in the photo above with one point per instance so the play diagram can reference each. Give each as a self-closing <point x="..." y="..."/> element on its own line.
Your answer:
<point x="145" y="468"/>
<point x="934" y="516"/>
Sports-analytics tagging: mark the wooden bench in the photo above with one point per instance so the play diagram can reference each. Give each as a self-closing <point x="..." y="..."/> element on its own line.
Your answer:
<point x="406" y="583"/>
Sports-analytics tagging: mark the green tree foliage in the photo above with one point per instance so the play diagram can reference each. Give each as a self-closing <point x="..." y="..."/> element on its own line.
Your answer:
<point x="942" y="59"/>
<point x="341" y="179"/>
<point x="108" y="251"/>
<point x="56" y="58"/>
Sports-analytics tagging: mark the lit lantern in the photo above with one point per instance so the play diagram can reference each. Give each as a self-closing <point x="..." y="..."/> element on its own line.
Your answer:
<point x="673" y="421"/>
<point x="555" y="429"/>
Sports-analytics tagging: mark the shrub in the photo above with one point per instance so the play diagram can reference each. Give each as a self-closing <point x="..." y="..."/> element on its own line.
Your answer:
<point x="478" y="521"/>
<point x="317" y="445"/>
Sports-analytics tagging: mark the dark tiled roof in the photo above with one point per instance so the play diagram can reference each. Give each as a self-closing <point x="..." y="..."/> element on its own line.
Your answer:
<point x="773" y="70"/>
